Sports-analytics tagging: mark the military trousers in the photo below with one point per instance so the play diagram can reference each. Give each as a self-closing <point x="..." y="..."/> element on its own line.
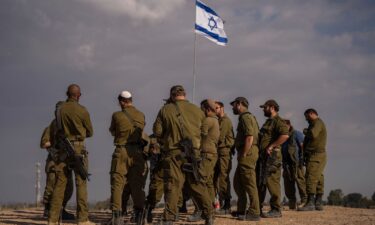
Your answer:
<point x="294" y="177"/>
<point x="156" y="187"/>
<point x="127" y="168"/>
<point x="51" y="182"/>
<point x="314" y="173"/>
<point x="174" y="179"/>
<point x="62" y="176"/>
<point x="245" y="184"/>
<point x="203" y="190"/>
<point x="221" y="176"/>
<point x="126" y="193"/>
<point x="272" y="184"/>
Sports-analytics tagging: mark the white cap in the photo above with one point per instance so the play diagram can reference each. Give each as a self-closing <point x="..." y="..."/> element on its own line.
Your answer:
<point x="125" y="94"/>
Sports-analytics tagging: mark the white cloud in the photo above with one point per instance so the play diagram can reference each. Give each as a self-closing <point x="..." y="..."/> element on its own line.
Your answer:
<point x="149" y="10"/>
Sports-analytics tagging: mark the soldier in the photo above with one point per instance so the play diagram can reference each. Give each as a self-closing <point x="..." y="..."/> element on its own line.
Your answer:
<point x="47" y="142"/>
<point x="293" y="171"/>
<point x="224" y="163"/>
<point x="208" y="154"/>
<point x="76" y="126"/>
<point x="315" y="158"/>
<point x="247" y="155"/>
<point x="128" y="162"/>
<point x="176" y="121"/>
<point x="273" y="133"/>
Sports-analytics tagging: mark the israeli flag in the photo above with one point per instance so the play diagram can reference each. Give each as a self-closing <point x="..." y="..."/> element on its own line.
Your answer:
<point x="209" y="24"/>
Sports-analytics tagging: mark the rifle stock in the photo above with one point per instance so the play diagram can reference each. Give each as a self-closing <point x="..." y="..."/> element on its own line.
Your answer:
<point x="193" y="163"/>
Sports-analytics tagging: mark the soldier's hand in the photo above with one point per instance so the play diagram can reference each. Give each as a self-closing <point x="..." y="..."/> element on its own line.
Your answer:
<point x="47" y="144"/>
<point x="269" y="149"/>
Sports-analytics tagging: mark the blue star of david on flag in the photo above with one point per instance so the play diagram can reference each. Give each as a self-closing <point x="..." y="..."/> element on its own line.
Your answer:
<point x="209" y="24"/>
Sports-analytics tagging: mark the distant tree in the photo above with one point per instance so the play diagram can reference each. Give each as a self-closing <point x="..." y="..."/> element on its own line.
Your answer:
<point x="373" y="197"/>
<point x="335" y="197"/>
<point x="355" y="200"/>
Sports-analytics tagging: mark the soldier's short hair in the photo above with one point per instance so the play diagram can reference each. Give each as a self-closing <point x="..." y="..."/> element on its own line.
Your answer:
<point x="220" y="103"/>
<point x="208" y="104"/>
<point x="177" y="90"/>
<point x="73" y="90"/>
<point x="311" y="110"/>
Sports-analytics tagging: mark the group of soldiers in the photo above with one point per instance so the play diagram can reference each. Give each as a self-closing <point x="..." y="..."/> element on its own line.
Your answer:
<point x="190" y="154"/>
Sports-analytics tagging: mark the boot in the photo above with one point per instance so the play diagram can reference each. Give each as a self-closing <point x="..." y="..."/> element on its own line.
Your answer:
<point x="292" y="204"/>
<point x="137" y="215"/>
<point x="273" y="213"/>
<point x="209" y="221"/>
<point x="149" y="215"/>
<point x="124" y="211"/>
<point x="116" y="219"/>
<point x="225" y="210"/>
<point x="45" y="212"/>
<point x="65" y="215"/>
<point x="319" y="202"/>
<point x="195" y="217"/>
<point x="249" y="217"/>
<point x="183" y="208"/>
<point x="309" y="206"/>
<point x="237" y="213"/>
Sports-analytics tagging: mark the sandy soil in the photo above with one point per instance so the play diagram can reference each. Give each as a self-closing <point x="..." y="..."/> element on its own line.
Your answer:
<point x="330" y="216"/>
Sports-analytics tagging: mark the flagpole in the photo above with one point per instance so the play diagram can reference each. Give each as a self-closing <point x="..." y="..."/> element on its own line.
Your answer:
<point x="195" y="61"/>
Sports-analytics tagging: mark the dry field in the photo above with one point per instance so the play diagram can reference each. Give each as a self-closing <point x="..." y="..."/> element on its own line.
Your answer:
<point x="330" y="216"/>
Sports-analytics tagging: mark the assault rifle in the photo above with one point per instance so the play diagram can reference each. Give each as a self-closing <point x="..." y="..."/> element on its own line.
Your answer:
<point x="78" y="164"/>
<point x="192" y="165"/>
<point x="53" y="153"/>
<point x="267" y="166"/>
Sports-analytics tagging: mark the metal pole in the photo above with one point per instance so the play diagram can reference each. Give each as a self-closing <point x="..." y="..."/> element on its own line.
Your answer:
<point x="195" y="60"/>
<point x="37" y="185"/>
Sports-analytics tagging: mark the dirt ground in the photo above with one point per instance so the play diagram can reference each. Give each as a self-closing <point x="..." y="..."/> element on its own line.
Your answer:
<point x="330" y="216"/>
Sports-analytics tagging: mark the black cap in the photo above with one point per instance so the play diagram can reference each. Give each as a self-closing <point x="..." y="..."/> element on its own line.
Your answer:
<point x="271" y="102"/>
<point x="242" y="100"/>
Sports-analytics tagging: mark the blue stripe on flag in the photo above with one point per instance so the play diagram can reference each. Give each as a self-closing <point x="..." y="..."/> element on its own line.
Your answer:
<point x="213" y="35"/>
<point x="206" y="8"/>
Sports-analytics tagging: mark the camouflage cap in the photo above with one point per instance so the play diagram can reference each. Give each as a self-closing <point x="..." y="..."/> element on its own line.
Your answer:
<point x="271" y="102"/>
<point x="242" y="100"/>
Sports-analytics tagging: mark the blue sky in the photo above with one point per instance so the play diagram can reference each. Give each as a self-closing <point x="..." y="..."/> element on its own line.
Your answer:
<point x="304" y="54"/>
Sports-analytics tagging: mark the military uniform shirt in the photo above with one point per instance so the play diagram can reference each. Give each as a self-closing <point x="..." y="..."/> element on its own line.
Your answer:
<point x="226" y="139"/>
<point x="247" y="126"/>
<point x="122" y="127"/>
<point x="167" y="125"/>
<point x="210" y="134"/>
<point x="316" y="137"/>
<point x="271" y="130"/>
<point x="75" y="120"/>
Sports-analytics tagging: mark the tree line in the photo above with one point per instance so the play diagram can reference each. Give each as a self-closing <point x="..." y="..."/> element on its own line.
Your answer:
<point x="354" y="200"/>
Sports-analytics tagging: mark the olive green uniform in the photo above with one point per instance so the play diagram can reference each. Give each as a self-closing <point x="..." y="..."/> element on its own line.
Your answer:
<point x="203" y="192"/>
<point x="245" y="176"/>
<point x="293" y="171"/>
<point x="76" y="124"/>
<point x="47" y="136"/>
<point x="316" y="158"/>
<point x="224" y="163"/>
<point x="269" y="133"/>
<point x="128" y="163"/>
<point x="167" y="127"/>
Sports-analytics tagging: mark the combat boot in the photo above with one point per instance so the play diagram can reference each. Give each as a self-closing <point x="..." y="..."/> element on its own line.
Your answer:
<point x="183" y="208"/>
<point x="209" y="221"/>
<point x="273" y="213"/>
<point x="237" y="213"/>
<point x="149" y="215"/>
<point x="65" y="215"/>
<point x="309" y="206"/>
<point x="137" y="214"/>
<point x="116" y="219"/>
<point x="292" y="204"/>
<point x="46" y="209"/>
<point x="319" y="202"/>
<point x="197" y="216"/>
<point x="249" y="217"/>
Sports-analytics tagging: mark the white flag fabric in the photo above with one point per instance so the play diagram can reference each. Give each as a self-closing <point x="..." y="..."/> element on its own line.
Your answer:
<point x="209" y="24"/>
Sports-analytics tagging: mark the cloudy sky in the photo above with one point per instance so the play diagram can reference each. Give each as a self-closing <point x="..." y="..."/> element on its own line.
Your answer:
<point x="318" y="54"/>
